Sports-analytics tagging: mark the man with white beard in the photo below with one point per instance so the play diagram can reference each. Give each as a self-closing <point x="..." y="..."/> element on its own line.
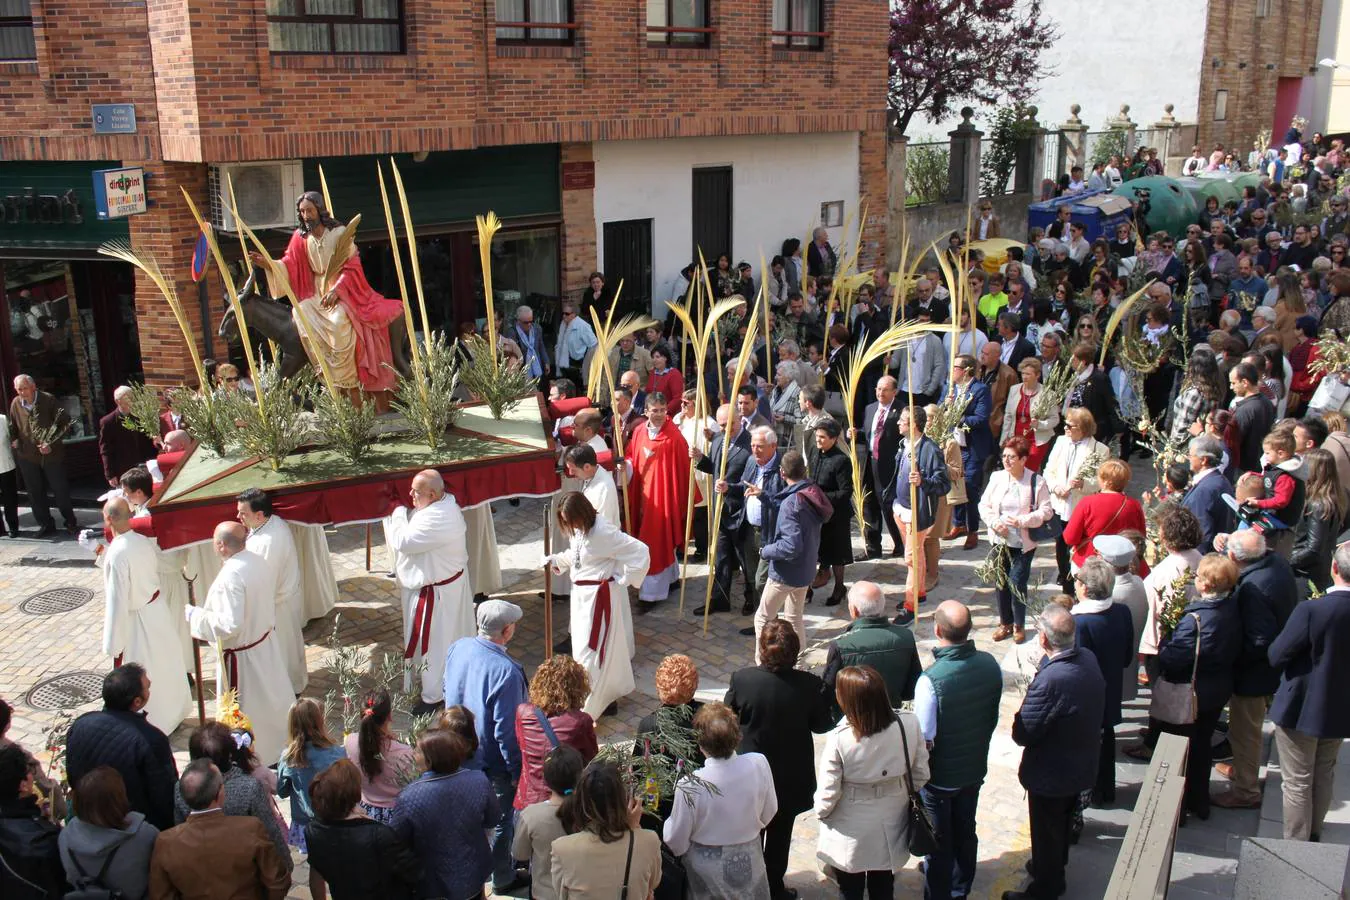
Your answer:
<point x="430" y="553"/>
<point x="240" y="615"/>
<point x="270" y="538"/>
<point x="137" y="625"/>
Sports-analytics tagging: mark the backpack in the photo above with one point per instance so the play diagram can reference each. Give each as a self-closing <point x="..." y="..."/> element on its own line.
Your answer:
<point x="88" y="888"/>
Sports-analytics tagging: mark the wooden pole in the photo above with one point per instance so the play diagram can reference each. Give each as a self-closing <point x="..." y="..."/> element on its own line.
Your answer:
<point x="700" y="413"/>
<point x="197" y="660"/>
<point x="548" y="581"/>
<point x="367" y="546"/>
<point x="912" y="595"/>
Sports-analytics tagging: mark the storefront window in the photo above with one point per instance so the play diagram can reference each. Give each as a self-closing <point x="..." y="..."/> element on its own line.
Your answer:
<point x="48" y="343"/>
<point x="524" y="269"/>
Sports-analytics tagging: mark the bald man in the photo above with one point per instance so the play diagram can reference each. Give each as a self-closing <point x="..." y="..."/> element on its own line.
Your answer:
<point x="138" y="625"/>
<point x="239" y="616"/>
<point x="430" y="546"/>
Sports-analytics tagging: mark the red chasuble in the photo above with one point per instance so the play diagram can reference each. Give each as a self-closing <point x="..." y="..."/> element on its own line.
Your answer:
<point x="660" y="491"/>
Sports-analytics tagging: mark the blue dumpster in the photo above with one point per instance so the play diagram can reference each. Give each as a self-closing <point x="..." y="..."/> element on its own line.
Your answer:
<point x="1097" y="211"/>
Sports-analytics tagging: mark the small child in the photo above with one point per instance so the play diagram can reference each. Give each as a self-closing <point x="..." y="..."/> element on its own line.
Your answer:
<point x="1282" y="486"/>
<point x="310" y="750"/>
<point x="1249" y="489"/>
<point x="538" y="825"/>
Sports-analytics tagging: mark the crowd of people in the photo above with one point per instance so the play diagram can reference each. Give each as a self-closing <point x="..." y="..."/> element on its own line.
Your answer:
<point x="1225" y="586"/>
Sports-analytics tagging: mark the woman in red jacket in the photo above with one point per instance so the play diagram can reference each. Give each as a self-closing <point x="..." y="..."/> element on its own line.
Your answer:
<point x="1107" y="512"/>
<point x="557" y="693"/>
<point x="664" y="378"/>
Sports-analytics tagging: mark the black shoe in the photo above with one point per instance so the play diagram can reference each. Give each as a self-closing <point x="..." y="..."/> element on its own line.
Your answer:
<point x="810" y="594"/>
<point x="521" y="881"/>
<point x="904" y="617"/>
<point x="480" y="597"/>
<point x="422" y="708"/>
<point x="714" y="608"/>
<point x="73" y="528"/>
<point x="836" y="598"/>
<point x="748" y="607"/>
<point x="788" y="894"/>
<point x="15" y="533"/>
<point x="644" y="607"/>
<point x="748" y="632"/>
<point x="561" y="598"/>
<point x="697" y="557"/>
<point x="514" y="501"/>
<point x="1222" y="752"/>
<point x="872" y="553"/>
<point x="47" y="530"/>
<point x="564" y="647"/>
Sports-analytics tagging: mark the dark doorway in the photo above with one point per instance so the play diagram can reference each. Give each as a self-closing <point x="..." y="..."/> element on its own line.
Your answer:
<point x="628" y="258"/>
<point x="712" y="213"/>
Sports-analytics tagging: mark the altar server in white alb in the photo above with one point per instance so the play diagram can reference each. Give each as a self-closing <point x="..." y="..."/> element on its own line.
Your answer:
<point x="603" y="562"/>
<point x="137" y="488"/>
<point x="598" y="487"/>
<point x="269" y="537"/>
<point x="430" y="552"/>
<point x="137" y="624"/>
<point x="239" y="615"/>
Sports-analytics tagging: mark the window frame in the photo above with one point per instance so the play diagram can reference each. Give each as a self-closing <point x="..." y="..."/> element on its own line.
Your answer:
<point x="1221" y="105"/>
<point x="570" y="27"/>
<point x="664" y="36"/>
<point x="18" y="22"/>
<point x="333" y="20"/>
<point x="786" y="39"/>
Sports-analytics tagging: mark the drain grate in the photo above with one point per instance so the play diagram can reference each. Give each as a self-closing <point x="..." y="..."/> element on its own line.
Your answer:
<point x="57" y="600"/>
<point x="65" y="691"/>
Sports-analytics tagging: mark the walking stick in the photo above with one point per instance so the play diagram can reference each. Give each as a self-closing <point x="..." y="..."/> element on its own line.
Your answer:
<point x="548" y="581"/>
<point x="197" y="656"/>
<point x="912" y="597"/>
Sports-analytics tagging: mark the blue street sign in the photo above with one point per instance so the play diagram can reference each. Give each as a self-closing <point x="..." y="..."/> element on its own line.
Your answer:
<point x="114" y="118"/>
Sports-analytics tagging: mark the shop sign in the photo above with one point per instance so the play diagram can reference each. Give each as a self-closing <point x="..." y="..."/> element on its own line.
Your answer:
<point x="32" y="208"/>
<point x="119" y="192"/>
<point x="114" y="118"/>
<point x="578" y="176"/>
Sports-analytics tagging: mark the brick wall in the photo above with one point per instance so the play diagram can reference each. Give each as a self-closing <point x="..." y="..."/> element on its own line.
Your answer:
<point x="1285" y="41"/>
<point x="222" y="96"/>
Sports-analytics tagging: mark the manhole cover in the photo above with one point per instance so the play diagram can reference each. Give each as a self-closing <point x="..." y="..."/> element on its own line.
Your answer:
<point x="65" y="691"/>
<point x="57" y="600"/>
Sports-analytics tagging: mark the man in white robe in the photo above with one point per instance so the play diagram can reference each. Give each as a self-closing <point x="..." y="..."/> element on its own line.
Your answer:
<point x="485" y="565"/>
<point x="602" y="561"/>
<point x="137" y="487"/>
<point x="269" y="537"/>
<point x="137" y="624"/>
<point x="597" y="485"/>
<point x="239" y="614"/>
<point x="430" y="554"/>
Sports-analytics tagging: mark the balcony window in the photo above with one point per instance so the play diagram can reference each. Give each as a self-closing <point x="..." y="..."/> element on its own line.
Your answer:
<point x="16" y="30"/>
<point x="798" y="24"/>
<point x="526" y="21"/>
<point x="334" y="26"/>
<point x="677" y="23"/>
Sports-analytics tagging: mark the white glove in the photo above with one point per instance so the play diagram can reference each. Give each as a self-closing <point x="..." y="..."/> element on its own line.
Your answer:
<point x="188" y="612"/>
<point x="545" y="561"/>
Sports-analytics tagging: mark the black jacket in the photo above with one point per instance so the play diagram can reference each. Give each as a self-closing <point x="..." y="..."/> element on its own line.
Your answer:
<point x="1098" y="397"/>
<point x="1220" y="635"/>
<point x="1253" y="418"/>
<point x="1266" y="594"/>
<point x="1021" y="350"/>
<point x="936" y="483"/>
<point x="779" y="711"/>
<point x="31" y="868"/>
<point x="136" y="749"/>
<point x="1313" y="652"/>
<point x="1314" y="544"/>
<point x="733" y="504"/>
<point x="1060" y="725"/>
<point x="883" y="466"/>
<point x="362" y="858"/>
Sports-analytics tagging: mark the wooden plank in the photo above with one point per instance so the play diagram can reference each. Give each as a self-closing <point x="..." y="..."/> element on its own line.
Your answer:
<point x="1144" y="864"/>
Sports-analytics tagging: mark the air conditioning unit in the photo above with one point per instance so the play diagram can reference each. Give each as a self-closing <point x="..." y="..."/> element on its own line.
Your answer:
<point x="265" y="192"/>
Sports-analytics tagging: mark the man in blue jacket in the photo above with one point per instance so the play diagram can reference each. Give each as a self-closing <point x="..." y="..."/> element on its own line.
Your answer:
<point x="737" y="545"/>
<point x="791" y="546"/>
<point x="919" y="462"/>
<point x="1209" y="486"/>
<point x="1060" y="725"/>
<point x="481" y="676"/>
<point x="1310" y="713"/>
<point x="977" y="446"/>
<point x="761" y="503"/>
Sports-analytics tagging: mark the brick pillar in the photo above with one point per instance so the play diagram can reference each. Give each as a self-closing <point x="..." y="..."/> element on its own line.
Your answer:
<point x="873" y="192"/>
<point x="1072" y="142"/>
<point x="578" y="215"/>
<point x="897" y="162"/>
<point x="167" y="233"/>
<point x="963" y="171"/>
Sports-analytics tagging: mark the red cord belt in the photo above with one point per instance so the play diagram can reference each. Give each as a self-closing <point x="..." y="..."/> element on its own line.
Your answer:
<point x="602" y="618"/>
<point x="421" y="621"/>
<point x="232" y="663"/>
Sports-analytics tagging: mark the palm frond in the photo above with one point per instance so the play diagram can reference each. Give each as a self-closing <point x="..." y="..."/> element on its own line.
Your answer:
<point x="398" y="265"/>
<point x="417" y="267"/>
<point x="488" y="226"/>
<point x="327" y="198"/>
<point x="343" y="248"/>
<point x="1114" y="322"/>
<point x="121" y="250"/>
<point x="608" y="336"/>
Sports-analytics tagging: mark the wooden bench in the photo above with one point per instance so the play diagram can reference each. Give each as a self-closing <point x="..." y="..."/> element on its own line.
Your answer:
<point x="1144" y="865"/>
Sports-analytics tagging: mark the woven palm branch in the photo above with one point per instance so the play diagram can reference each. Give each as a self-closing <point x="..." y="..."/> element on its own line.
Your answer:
<point x="608" y="336"/>
<point x="1114" y="322"/>
<point x="1053" y="391"/>
<point x="343" y="248"/>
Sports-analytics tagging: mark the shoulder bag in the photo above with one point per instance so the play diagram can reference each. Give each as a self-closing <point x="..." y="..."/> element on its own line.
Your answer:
<point x="920" y="832"/>
<point x="1052" y="527"/>
<point x="547" y="726"/>
<point x="1175" y="703"/>
<point x="627" y="867"/>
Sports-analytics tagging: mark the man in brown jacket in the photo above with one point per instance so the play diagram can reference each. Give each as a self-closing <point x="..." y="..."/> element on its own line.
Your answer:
<point x="1000" y="377"/>
<point x="213" y="856"/>
<point x="37" y="427"/>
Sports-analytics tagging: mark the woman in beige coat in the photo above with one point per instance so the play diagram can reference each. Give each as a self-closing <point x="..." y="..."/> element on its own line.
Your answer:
<point x="861" y="797"/>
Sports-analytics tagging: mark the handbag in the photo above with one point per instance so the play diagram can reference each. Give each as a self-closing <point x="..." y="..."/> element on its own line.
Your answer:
<point x="920" y="832"/>
<point x="92" y="888"/>
<point x="1331" y="395"/>
<point x="1175" y="703"/>
<point x="1052" y="527"/>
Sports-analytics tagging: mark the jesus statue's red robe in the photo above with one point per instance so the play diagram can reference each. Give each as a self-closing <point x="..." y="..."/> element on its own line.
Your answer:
<point x="658" y="497"/>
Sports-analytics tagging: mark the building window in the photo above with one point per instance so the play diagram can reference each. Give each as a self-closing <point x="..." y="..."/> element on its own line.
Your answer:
<point x="1263" y="8"/>
<point x="1220" y="105"/>
<point x="518" y="21"/>
<point x="678" y="23"/>
<point x="16" y="30"/>
<point x="334" y="26"/>
<point x="797" y="24"/>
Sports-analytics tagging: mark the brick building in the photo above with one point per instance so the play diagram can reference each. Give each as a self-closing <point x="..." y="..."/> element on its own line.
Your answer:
<point x="607" y="134"/>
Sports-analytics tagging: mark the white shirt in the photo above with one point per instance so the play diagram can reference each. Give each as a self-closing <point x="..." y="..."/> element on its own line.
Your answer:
<point x="984" y="224"/>
<point x="1112" y="175"/>
<point x="743" y="806"/>
<point x="1193" y="165"/>
<point x="603" y="495"/>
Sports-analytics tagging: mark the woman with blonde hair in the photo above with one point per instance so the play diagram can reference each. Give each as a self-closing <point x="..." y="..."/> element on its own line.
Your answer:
<point x="309" y="750"/>
<point x="1109" y="511"/>
<point x="553" y="717"/>
<point x="1071" y="474"/>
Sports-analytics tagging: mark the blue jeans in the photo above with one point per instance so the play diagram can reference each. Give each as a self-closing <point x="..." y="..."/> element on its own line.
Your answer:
<point x="1012" y="606"/>
<point x="950" y="871"/>
<point x="503" y="864"/>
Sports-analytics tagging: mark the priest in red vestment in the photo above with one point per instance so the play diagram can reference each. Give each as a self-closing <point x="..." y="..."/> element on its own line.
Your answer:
<point x="658" y="496"/>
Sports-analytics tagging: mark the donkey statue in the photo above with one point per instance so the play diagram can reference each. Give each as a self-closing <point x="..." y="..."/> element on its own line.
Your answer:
<point x="271" y="319"/>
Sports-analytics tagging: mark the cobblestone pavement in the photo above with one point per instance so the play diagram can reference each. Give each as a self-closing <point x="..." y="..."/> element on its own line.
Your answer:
<point x="34" y="648"/>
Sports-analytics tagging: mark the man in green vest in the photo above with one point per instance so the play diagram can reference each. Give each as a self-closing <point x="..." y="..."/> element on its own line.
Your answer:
<point x="871" y="640"/>
<point x="956" y="700"/>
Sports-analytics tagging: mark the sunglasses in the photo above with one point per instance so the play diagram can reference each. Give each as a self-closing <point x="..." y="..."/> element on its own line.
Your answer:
<point x="231" y="380"/>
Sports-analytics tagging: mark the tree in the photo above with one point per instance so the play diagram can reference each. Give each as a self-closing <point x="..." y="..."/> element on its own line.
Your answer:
<point x="943" y="52"/>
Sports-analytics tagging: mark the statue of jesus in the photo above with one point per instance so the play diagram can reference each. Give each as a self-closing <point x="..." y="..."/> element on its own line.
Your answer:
<point x="343" y="316"/>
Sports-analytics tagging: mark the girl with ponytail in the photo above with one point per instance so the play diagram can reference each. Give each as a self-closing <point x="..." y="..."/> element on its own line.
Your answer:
<point x="384" y="762"/>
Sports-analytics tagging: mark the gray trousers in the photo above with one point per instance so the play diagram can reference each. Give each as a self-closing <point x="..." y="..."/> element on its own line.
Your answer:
<point x="1308" y="771"/>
